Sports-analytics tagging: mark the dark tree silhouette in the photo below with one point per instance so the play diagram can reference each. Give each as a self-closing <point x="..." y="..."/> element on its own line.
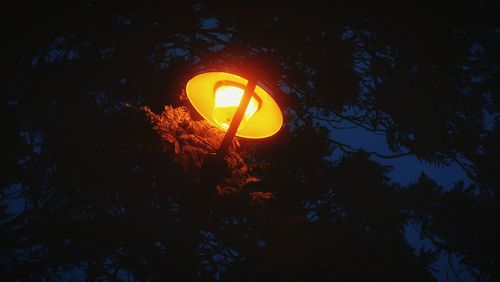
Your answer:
<point x="102" y="157"/>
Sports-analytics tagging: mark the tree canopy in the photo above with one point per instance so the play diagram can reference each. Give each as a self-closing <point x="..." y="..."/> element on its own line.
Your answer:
<point x="103" y="156"/>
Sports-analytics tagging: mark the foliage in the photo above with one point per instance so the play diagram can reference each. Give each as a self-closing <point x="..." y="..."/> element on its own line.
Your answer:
<point x="102" y="163"/>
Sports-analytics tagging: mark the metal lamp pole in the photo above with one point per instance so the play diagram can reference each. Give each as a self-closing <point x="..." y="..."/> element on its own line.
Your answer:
<point x="238" y="116"/>
<point x="214" y="167"/>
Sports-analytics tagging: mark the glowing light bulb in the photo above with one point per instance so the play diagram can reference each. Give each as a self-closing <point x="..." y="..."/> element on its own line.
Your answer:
<point x="227" y="100"/>
<point x="210" y="95"/>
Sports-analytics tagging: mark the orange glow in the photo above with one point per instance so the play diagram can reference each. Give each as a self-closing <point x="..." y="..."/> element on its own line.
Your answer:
<point x="227" y="100"/>
<point x="216" y="96"/>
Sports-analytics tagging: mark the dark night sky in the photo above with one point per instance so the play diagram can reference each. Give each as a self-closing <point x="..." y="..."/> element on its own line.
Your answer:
<point x="109" y="88"/>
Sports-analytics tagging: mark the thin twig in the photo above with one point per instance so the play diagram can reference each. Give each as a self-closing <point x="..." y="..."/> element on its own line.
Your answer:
<point x="350" y="150"/>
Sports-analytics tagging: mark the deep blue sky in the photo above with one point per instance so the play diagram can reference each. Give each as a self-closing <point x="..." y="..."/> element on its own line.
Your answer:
<point x="405" y="171"/>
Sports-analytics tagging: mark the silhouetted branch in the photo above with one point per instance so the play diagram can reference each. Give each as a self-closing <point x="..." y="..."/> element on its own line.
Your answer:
<point x="348" y="149"/>
<point x="452" y="267"/>
<point x="352" y="120"/>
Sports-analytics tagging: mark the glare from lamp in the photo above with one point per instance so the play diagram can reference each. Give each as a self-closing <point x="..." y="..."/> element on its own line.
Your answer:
<point x="227" y="100"/>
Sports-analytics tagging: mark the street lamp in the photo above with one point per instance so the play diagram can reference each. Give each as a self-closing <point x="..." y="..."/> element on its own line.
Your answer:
<point x="234" y="104"/>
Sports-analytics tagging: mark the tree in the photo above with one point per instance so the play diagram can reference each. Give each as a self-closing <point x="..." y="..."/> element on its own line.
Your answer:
<point x="110" y="177"/>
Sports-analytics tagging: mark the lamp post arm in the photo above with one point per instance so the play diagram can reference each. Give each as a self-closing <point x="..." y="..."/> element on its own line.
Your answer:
<point x="238" y="115"/>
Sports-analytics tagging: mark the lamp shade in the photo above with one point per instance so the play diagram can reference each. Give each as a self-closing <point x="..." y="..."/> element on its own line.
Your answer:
<point x="217" y="95"/>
